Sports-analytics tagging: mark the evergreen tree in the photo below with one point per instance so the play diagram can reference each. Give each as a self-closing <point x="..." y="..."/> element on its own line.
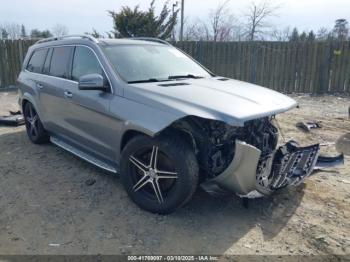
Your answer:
<point x="311" y="37"/>
<point x="23" y="32"/>
<point x="4" y="34"/>
<point x="95" y="33"/>
<point x="294" y="36"/>
<point x="303" y="37"/>
<point x="341" y="29"/>
<point x="136" y="23"/>
<point x="35" y="33"/>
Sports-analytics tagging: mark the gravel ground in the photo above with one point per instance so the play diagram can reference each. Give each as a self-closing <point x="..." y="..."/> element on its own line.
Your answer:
<point x="48" y="205"/>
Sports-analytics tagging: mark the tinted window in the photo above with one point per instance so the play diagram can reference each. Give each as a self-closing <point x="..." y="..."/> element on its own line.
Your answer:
<point x="36" y="62"/>
<point x="46" y="69"/>
<point x="84" y="62"/>
<point x="60" y="61"/>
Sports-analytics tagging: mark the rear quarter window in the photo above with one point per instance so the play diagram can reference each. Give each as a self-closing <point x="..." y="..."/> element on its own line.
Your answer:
<point x="36" y="61"/>
<point x="60" y="61"/>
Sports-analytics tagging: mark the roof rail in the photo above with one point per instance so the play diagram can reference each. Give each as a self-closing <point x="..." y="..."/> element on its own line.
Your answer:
<point x="151" y="39"/>
<point x="56" y="38"/>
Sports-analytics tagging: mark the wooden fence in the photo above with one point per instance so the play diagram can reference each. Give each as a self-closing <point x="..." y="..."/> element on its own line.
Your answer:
<point x="12" y="53"/>
<point x="316" y="67"/>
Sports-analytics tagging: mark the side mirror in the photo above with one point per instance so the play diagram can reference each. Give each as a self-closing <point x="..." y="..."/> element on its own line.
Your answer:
<point x="91" y="82"/>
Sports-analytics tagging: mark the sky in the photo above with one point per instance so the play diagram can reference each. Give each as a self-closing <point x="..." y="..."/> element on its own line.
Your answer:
<point x="81" y="16"/>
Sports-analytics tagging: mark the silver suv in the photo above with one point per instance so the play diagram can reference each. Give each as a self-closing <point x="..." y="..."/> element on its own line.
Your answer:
<point x="146" y="110"/>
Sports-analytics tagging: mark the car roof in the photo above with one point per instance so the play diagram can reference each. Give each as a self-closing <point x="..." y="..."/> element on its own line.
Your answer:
<point x="91" y="41"/>
<point x="127" y="41"/>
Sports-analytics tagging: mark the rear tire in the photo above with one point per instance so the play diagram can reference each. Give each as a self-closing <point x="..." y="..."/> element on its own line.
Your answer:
<point x="159" y="174"/>
<point x="35" y="129"/>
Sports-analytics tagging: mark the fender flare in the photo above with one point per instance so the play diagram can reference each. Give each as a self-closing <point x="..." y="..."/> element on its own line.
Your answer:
<point x="30" y="98"/>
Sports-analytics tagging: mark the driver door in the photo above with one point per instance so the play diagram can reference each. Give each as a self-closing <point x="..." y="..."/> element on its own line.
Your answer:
<point x="87" y="115"/>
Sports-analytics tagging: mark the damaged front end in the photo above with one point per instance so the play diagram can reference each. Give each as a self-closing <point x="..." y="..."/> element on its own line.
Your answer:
<point x="246" y="159"/>
<point x="288" y="165"/>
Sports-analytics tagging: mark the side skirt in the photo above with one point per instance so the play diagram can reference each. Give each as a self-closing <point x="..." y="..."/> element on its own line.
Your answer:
<point x="82" y="155"/>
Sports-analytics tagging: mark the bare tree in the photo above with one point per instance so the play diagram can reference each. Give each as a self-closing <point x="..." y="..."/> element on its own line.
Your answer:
<point x="60" y="30"/>
<point x="13" y="30"/>
<point x="217" y="20"/>
<point x="281" y="35"/>
<point x="222" y="23"/>
<point x="195" y="30"/>
<point x="257" y="16"/>
<point x="219" y="25"/>
<point x="323" y="34"/>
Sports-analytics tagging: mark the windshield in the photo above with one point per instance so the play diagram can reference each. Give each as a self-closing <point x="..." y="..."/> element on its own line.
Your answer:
<point x="148" y="63"/>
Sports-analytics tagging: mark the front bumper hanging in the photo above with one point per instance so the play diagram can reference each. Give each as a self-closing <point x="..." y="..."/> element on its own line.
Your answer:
<point x="288" y="165"/>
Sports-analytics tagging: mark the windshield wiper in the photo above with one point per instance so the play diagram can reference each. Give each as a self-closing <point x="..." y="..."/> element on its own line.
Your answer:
<point x="185" y="76"/>
<point x="150" y="80"/>
<point x="173" y="77"/>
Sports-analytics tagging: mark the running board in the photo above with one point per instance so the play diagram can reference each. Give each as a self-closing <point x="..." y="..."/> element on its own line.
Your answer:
<point x="83" y="155"/>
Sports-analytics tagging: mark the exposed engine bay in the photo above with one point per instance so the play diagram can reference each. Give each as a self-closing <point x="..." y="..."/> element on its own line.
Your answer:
<point x="216" y="144"/>
<point x="215" y="140"/>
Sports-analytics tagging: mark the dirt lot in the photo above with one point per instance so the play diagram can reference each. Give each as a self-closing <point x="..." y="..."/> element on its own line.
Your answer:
<point x="46" y="207"/>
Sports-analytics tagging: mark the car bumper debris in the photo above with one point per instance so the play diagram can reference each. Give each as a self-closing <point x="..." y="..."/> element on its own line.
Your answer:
<point x="250" y="175"/>
<point x="307" y="126"/>
<point x="240" y="175"/>
<point x="324" y="162"/>
<point x="12" y="120"/>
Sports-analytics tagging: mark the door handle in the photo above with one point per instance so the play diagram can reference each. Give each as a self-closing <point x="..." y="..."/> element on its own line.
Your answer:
<point x="38" y="85"/>
<point x="68" y="94"/>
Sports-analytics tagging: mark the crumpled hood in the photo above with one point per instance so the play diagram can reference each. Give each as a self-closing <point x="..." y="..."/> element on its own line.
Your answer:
<point x="232" y="101"/>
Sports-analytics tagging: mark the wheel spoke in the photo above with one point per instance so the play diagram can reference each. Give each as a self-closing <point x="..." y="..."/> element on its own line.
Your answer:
<point x="30" y="111"/>
<point x="166" y="174"/>
<point x="35" y="118"/>
<point x="151" y="175"/>
<point x="154" y="157"/>
<point x="157" y="191"/>
<point x="138" y="164"/>
<point x="142" y="182"/>
<point x="167" y="177"/>
<point x="36" y="125"/>
<point x="33" y="130"/>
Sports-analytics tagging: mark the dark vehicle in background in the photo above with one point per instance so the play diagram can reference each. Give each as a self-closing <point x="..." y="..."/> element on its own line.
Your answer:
<point x="146" y="110"/>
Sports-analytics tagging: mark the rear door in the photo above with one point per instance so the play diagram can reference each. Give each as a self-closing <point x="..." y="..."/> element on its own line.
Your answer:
<point x="33" y="80"/>
<point x="55" y="78"/>
<point x="87" y="115"/>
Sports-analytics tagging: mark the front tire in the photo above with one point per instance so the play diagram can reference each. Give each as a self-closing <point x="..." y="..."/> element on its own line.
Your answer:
<point x="159" y="174"/>
<point x="35" y="129"/>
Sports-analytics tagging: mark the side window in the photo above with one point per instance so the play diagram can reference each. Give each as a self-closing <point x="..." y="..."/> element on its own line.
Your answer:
<point x="84" y="62"/>
<point x="46" y="69"/>
<point x="36" y="62"/>
<point x="60" y="61"/>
